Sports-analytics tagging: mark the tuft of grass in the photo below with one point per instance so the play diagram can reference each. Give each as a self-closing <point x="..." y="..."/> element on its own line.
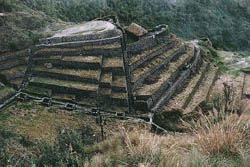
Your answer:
<point x="219" y="133"/>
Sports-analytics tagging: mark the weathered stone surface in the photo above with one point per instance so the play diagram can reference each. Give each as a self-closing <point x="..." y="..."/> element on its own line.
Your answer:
<point x="92" y="30"/>
<point x="89" y="61"/>
<point x="92" y="27"/>
<point x="137" y="30"/>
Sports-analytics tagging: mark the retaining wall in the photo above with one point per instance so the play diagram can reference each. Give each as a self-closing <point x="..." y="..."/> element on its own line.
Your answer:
<point x="107" y="34"/>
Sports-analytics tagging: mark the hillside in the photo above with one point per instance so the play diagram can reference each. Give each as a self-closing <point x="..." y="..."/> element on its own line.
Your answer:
<point x="225" y="22"/>
<point x="92" y="94"/>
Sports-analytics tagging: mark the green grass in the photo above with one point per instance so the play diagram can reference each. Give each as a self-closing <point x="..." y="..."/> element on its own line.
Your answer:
<point x="27" y="106"/>
<point x="5" y="91"/>
<point x="245" y="53"/>
<point x="4" y="116"/>
<point x="39" y="91"/>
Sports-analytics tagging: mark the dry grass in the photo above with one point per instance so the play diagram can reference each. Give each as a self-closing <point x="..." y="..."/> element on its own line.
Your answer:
<point x="223" y="137"/>
<point x="43" y="124"/>
<point x="79" y="72"/>
<point x="203" y="90"/>
<point x="119" y="81"/>
<point x="147" y="52"/>
<point x="106" y="77"/>
<point x="216" y="139"/>
<point x="64" y="83"/>
<point x="119" y="95"/>
<point x="179" y="100"/>
<point x="147" y="67"/>
<point x="113" y="62"/>
<point x="139" y="147"/>
<point x="140" y="56"/>
<point x="164" y="74"/>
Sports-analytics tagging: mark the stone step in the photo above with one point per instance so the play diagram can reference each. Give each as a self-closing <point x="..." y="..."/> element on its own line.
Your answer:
<point x="107" y="52"/>
<point x="140" y="74"/>
<point x="147" y="55"/>
<point x="204" y="88"/>
<point x="119" y="83"/>
<point x="119" y="98"/>
<point x="114" y="65"/>
<point x="104" y="96"/>
<point x="182" y="99"/>
<point x="176" y="81"/>
<point x="111" y="63"/>
<point x="77" y="44"/>
<point x="82" y="37"/>
<point x="91" y="76"/>
<point x="62" y="86"/>
<point x="106" y="80"/>
<point x="168" y="80"/>
<point x="73" y="62"/>
<point x="147" y="90"/>
<point x="84" y="47"/>
<point x="105" y="92"/>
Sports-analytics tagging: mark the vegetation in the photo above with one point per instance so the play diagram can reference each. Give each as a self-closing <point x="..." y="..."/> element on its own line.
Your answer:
<point x="224" y="142"/>
<point x="225" y="22"/>
<point x="32" y="135"/>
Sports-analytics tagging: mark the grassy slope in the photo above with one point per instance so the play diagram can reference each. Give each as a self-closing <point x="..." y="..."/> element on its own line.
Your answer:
<point x="32" y="135"/>
<point x="21" y="27"/>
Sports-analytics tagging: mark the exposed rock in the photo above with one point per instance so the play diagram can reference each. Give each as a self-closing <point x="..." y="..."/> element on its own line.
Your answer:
<point x="48" y="65"/>
<point x="92" y="27"/>
<point x="137" y="30"/>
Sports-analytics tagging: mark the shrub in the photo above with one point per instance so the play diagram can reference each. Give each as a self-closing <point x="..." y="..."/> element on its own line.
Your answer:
<point x="69" y="150"/>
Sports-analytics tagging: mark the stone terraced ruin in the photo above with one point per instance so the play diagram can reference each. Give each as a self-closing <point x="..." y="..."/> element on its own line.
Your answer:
<point x="92" y="65"/>
<point x="12" y="71"/>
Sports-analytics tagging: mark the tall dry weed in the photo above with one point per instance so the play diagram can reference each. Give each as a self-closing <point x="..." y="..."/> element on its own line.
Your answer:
<point x="219" y="133"/>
